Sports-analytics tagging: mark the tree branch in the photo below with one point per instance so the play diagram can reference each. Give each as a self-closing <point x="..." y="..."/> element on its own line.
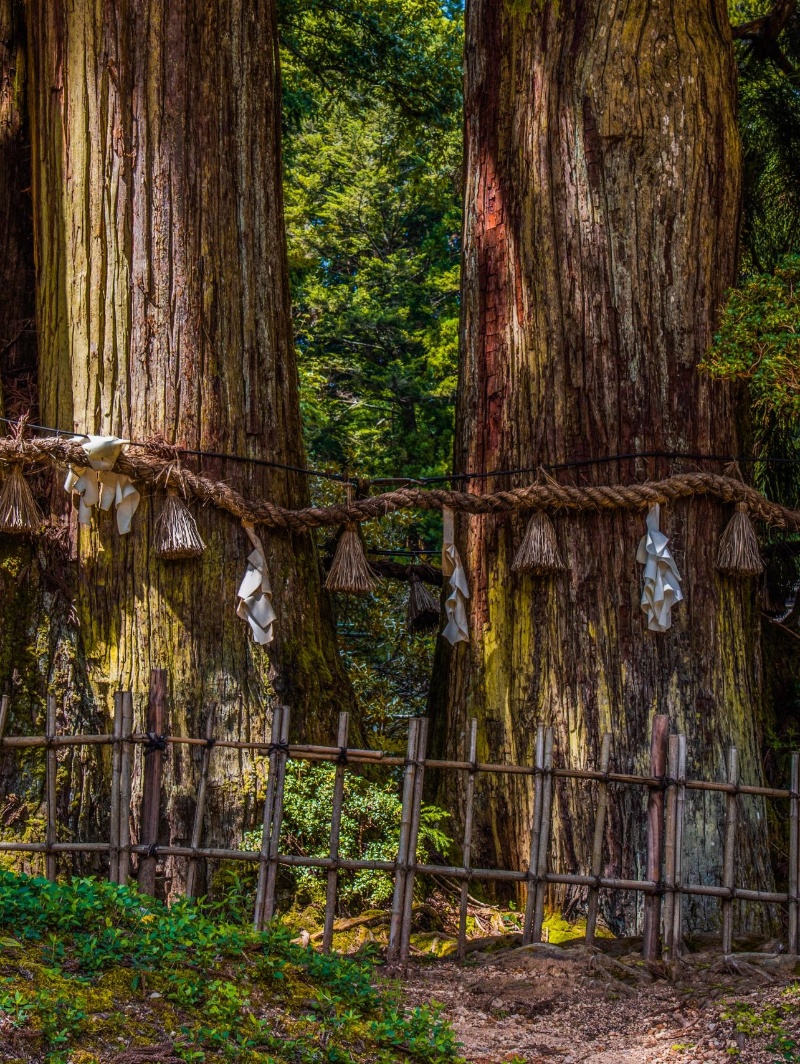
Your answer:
<point x="763" y="33"/>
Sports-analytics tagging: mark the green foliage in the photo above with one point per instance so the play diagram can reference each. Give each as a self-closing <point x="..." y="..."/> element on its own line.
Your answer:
<point x="103" y="964"/>
<point x="372" y="188"/>
<point x="370" y="831"/>
<point x="373" y="219"/>
<point x="404" y="53"/>
<point x="769" y="121"/>
<point x="759" y="341"/>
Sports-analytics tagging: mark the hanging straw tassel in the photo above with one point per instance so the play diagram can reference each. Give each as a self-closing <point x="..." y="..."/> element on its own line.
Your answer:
<point x="538" y="552"/>
<point x="19" y="513"/>
<point x="423" y="610"/>
<point x="738" y="546"/>
<point x="176" y="530"/>
<point x="350" y="571"/>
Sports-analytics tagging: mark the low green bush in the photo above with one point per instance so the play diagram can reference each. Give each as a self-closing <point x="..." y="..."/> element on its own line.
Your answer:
<point x="88" y="968"/>
<point x="370" y="830"/>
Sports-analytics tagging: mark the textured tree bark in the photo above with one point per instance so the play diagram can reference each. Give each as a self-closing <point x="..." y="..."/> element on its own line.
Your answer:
<point x="601" y="228"/>
<point x="17" y="330"/>
<point x="163" y="308"/>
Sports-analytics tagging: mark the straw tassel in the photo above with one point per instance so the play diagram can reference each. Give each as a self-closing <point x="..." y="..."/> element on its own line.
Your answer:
<point x="19" y="513"/>
<point x="538" y="552"/>
<point x="350" y="571"/>
<point x="422" y="614"/>
<point x="738" y="546"/>
<point x="176" y="531"/>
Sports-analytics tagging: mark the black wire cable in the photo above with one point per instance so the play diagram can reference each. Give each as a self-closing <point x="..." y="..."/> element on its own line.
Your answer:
<point x="344" y="478"/>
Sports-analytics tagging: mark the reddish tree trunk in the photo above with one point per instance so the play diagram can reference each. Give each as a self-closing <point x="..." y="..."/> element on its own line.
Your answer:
<point x="601" y="228"/>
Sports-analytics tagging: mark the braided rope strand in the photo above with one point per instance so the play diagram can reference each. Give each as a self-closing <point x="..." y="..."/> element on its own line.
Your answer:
<point x="150" y="468"/>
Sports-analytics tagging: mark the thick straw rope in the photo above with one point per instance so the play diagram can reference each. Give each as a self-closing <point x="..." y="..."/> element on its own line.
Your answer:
<point x="151" y="468"/>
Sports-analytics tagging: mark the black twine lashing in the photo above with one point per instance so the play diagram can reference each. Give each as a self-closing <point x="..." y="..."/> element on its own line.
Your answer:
<point x="154" y="742"/>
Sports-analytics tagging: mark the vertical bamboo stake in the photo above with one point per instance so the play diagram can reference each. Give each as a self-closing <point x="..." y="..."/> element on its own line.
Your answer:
<point x="116" y="755"/>
<point x="670" y="850"/>
<point x="126" y="762"/>
<point x="277" y="818"/>
<point x="336" y="823"/>
<point x="680" y="807"/>
<point x="793" y="851"/>
<point x="467" y="847"/>
<point x="50" y="782"/>
<point x="5" y="701"/>
<point x="544" y="838"/>
<point x="536" y="830"/>
<point x="597" y="841"/>
<point x="655" y="835"/>
<point x="402" y="845"/>
<point x="151" y="788"/>
<point x="408" y="901"/>
<point x="269" y="802"/>
<point x="728" y="855"/>
<point x="200" y="805"/>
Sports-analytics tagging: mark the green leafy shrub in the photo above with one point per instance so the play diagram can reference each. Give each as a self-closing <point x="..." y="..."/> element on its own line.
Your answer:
<point x="759" y="341"/>
<point x="370" y="830"/>
<point x="89" y="965"/>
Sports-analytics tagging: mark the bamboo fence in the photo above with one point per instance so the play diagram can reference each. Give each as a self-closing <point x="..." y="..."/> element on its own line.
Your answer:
<point x="666" y="787"/>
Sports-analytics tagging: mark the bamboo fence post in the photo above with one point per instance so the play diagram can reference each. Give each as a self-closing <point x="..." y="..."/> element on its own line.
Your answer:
<point x="277" y="817"/>
<point x="200" y="805"/>
<point x="536" y="830"/>
<point x="266" y="830"/>
<point x="413" y="834"/>
<point x="544" y="838"/>
<point x="793" y="853"/>
<point x="336" y="824"/>
<point x="655" y="835"/>
<point x="597" y="841"/>
<point x="5" y="702"/>
<point x="116" y="754"/>
<point x="50" y="783"/>
<point x="467" y="846"/>
<point x="125" y="766"/>
<point x="680" y="809"/>
<point x="151" y="788"/>
<point x="402" y="844"/>
<point x="670" y="847"/>
<point x="728" y="856"/>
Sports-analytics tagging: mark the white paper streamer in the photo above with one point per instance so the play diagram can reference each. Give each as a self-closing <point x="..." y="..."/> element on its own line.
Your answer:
<point x="98" y="485"/>
<point x="455" y="606"/>
<point x="662" y="581"/>
<point x="255" y="592"/>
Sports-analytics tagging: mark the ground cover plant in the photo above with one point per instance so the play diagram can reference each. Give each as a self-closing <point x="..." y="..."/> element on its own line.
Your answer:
<point x="90" y="971"/>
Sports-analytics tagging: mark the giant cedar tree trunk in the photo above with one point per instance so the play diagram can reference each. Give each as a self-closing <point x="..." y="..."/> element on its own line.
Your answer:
<point x="163" y="308"/>
<point x="601" y="225"/>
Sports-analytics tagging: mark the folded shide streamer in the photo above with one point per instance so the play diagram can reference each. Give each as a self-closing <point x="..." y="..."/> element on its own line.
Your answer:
<point x="99" y="485"/>
<point x="456" y="630"/>
<point x="662" y="581"/>
<point x="255" y="592"/>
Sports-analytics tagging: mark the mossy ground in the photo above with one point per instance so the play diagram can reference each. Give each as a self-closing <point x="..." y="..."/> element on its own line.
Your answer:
<point x="89" y="970"/>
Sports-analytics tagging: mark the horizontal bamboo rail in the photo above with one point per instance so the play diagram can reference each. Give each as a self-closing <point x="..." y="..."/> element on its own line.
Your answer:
<point x="665" y="823"/>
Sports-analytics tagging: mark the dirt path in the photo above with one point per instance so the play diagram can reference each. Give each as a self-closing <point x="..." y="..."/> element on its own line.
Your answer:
<point x="574" y="1006"/>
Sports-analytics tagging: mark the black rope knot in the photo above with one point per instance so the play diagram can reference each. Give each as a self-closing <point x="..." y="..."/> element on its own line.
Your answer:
<point x="152" y="850"/>
<point x="211" y="743"/>
<point x="342" y="758"/>
<point x="153" y="742"/>
<point x="281" y="747"/>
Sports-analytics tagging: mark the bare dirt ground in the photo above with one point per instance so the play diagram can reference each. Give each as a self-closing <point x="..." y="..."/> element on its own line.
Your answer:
<point x="545" y="1004"/>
